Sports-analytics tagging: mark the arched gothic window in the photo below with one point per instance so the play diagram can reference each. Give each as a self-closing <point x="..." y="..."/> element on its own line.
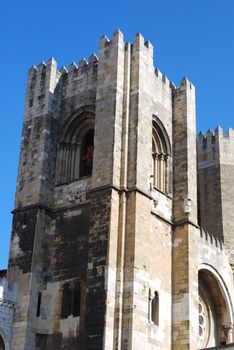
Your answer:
<point x="75" y="154"/>
<point x="160" y="157"/>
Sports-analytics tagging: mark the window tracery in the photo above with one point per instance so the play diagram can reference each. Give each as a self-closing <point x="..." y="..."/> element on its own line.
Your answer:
<point x="204" y="322"/>
<point x="160" y="158"/>
<point x="75" y="153"/>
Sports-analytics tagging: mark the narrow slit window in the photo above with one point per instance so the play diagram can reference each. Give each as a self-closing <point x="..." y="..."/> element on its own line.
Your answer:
<point x="39" y="304"/>
<point x="71" y="300"/>
<point x="155" y="309"/>
<point x="66" y="301"/>
<point x="76" y="301"/>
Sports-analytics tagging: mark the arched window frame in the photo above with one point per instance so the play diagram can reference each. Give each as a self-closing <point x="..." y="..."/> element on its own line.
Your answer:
<point x="161" y="157"/>
<point x="69" y="149"/>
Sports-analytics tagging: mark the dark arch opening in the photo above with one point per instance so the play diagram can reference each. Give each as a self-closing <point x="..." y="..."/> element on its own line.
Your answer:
<point x="86" y="159"/>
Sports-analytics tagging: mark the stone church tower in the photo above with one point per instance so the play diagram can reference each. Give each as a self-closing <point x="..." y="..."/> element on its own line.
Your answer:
<point x="108" y="250"/>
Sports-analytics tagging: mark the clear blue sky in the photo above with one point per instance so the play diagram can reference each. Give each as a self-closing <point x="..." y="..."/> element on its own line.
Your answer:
<point x="192" y="38"/>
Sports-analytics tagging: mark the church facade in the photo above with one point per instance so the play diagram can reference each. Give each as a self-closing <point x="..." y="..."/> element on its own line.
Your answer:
<point x="123" y="224"/>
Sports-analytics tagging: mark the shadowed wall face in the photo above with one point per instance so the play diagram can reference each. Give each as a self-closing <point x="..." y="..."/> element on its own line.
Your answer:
<point x="215" y="185"/>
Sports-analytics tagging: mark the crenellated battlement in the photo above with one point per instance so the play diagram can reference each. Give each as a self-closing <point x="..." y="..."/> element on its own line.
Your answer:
<point x="164" y="78"/>
<point x="76" y="69"/>
<point x="210" y="146"/>
<point x="43" y="93"/>
<point x="42" y="72"/>
<point x="45" y="80"/>
<point x="211" y="240"/>
<point x="138" y="43"/>
<point x="212" y="137"/>
<point x="205" y="141"/>
<point x="80" y="76"/>
<point x="47" y="85"/>
<point x="141" y="43"/>
<point x="184" y="83"/>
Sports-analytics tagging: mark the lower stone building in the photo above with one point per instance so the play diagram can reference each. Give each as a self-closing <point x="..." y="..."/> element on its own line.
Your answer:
<point x="7" y="306"/>
<point x="123" y="224"/>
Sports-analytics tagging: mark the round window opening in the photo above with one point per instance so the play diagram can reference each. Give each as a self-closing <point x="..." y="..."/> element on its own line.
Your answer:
<point x="204" y="322"/>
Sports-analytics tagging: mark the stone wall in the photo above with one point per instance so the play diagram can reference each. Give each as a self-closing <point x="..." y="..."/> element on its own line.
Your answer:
<point x="216" y="166"/>
<point x="7" y="309"/>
